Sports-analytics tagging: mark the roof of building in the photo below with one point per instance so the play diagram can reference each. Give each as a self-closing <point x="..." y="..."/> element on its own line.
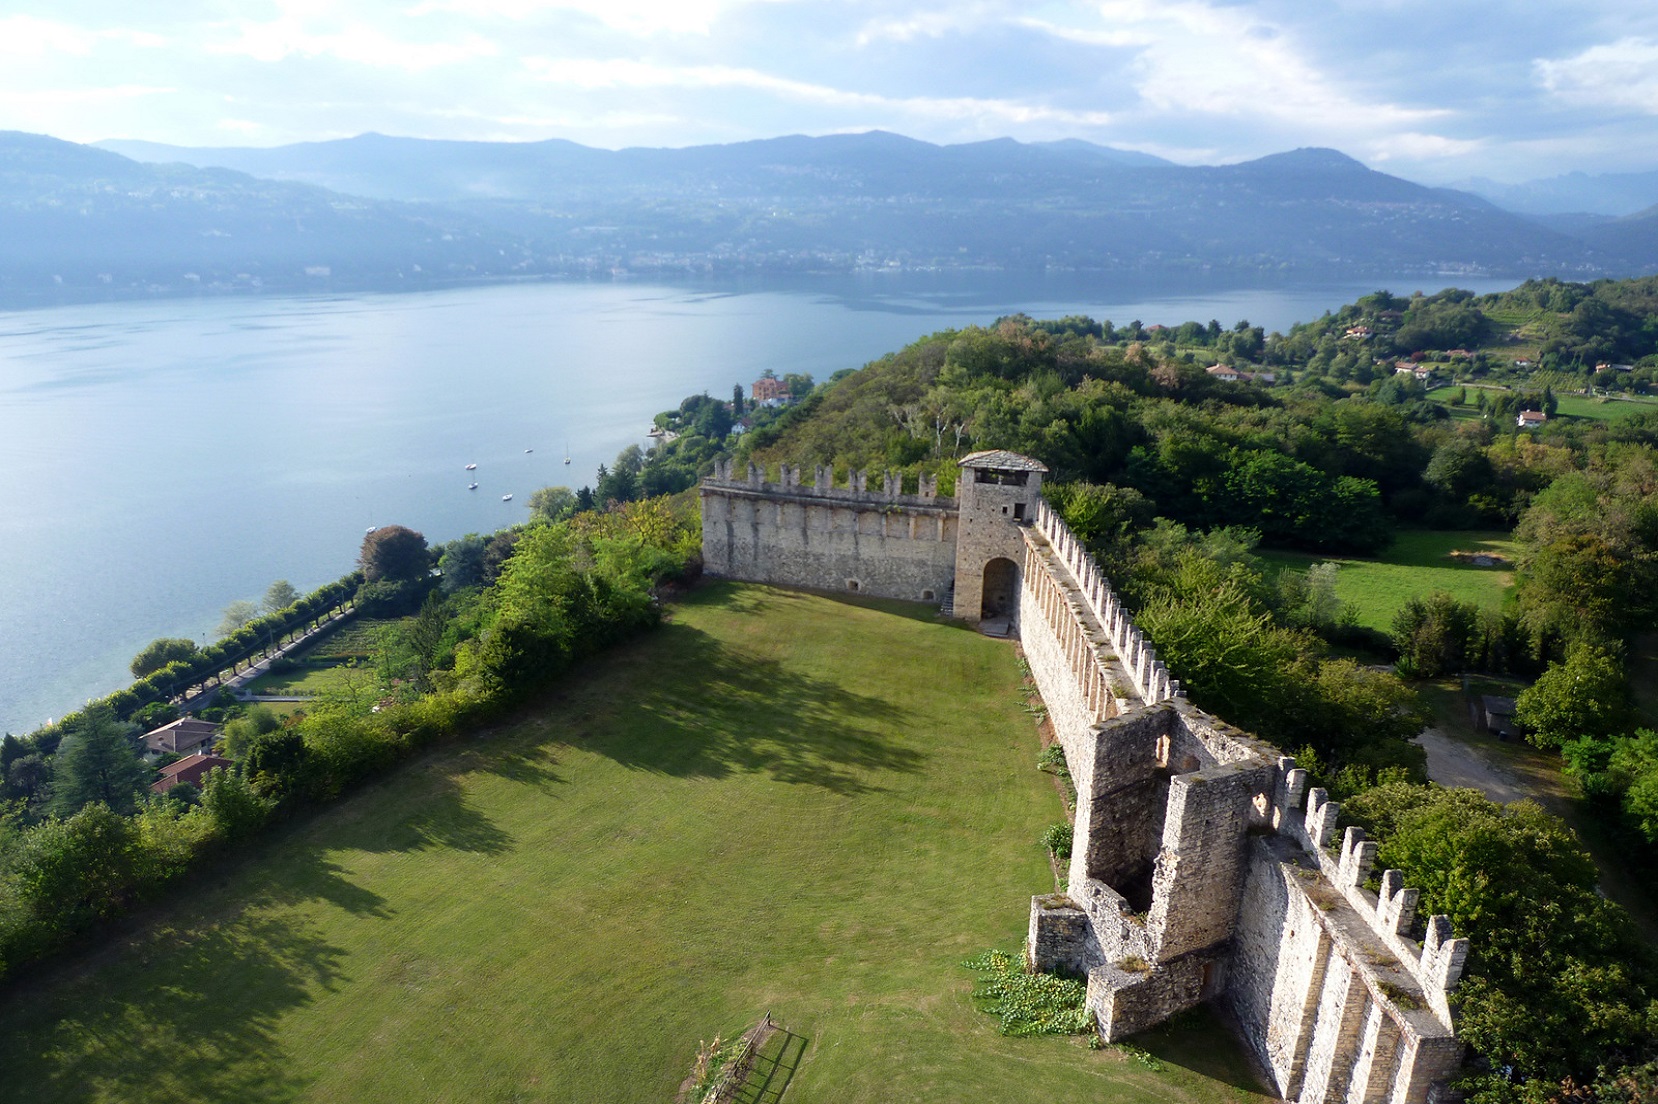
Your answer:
<point x="192" y="768"/>
<point x="1001" y="460"/>
<point x="200" y="758"/>
<point x="185" y="725"/>
<point x="1494" y="703"/>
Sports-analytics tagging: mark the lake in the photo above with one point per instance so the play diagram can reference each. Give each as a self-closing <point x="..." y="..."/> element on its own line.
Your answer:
<point x="162" y="459"/>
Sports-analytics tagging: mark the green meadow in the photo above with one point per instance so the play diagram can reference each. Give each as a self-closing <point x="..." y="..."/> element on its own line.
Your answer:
<point x="1571" y="406"/>
<point x="777" y="802"/>
<point x="1417" y="564"/>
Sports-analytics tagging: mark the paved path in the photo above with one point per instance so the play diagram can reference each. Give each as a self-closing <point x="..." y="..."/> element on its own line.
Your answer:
<point x="236" y="682"/>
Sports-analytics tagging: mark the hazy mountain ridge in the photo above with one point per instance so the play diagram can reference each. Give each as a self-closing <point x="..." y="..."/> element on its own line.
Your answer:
<point x="83" y="221"/>
<point x="1575" y="193"/>
<point x="377" y="211"/>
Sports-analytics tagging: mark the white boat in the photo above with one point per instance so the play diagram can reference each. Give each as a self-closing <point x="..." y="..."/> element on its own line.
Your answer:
<point x="506" y="498"/>
<point x="567" y="453"/>
<point x="371" y="529"/>
<point x="471" y="486"/>
<point x="472" y="467"/>
<point x="528" y="451"/>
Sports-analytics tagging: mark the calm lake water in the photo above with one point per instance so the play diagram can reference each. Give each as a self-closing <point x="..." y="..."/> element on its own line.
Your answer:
<point x="159" y="460"/>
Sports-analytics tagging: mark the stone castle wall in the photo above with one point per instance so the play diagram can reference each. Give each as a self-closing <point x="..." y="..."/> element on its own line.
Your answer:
<point x="830" y="537"/>
<point x="1201" y="870"/>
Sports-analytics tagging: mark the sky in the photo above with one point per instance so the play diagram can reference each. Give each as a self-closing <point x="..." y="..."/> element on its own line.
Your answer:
<point x="1436" y="91"/>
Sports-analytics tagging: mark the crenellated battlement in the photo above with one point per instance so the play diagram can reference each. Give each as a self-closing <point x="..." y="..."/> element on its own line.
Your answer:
<point x="1437" y="961"/>
<point x="1203" y="867"/>
<point x="1087" y="585"/>
<point x="854" y="537"/>
<point x="856" y="489"/>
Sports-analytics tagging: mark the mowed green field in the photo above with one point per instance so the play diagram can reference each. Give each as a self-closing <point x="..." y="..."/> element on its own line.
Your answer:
<point x="1417" y="564"/>
<point x="776" y="802"/>
<point x="1572" y="406"/>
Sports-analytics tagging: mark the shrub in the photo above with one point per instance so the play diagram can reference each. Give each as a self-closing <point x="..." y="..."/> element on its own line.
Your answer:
<point x="1057" y="839"/>
<point x="1029" y="1003"/>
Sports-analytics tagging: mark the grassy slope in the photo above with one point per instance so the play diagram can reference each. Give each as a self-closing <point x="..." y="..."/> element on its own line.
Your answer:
<point x="1572" y="406"/>
<point x="1418" y="563"/>
<point x="818" y="812"/>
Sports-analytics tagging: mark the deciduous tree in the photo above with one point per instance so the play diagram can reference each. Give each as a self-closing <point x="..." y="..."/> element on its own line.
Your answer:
<point x="158" y="653"/>
<point x="393" y="552"/>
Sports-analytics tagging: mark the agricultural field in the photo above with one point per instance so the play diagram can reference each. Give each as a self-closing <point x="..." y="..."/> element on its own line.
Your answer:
<point x="341" y="661"/>
<point x="777" y="802"/>
<point x="1418" y="563"/>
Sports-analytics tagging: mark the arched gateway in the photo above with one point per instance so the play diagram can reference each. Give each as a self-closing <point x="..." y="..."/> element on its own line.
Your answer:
<point x="886" y="543"/>
<point x="998" y="494"/>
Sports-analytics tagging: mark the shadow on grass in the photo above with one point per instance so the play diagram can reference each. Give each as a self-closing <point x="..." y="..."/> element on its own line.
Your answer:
<point x="774" y="1068"/>
<point x="183" y="1013"/>
<point x="1200" y="1041"/>
<point x="698" y="708"/>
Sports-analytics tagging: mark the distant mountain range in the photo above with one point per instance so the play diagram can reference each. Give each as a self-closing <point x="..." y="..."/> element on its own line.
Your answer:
<point x="381" y="212"/>
<point x="1608" y="195"/>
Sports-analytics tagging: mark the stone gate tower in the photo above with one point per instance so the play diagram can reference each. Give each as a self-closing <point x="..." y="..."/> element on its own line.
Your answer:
<point x="997" y="493"/>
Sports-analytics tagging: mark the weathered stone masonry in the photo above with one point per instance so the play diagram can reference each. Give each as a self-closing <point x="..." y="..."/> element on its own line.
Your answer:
<point x="1202" y="868"/>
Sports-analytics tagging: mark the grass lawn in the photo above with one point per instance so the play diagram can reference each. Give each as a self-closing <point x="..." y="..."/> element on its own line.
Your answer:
<point x="1571" y="406"/>
<point x="777" y="802"/>
<point x="1417" y="564"/>
<point x="313" y="677"/>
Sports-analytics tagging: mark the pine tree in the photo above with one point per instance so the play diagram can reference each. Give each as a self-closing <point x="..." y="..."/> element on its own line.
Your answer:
<point x="96" y="762"/>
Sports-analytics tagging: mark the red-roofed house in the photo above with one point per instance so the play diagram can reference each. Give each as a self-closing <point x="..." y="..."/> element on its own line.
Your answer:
<point x="767" y="390"/>
<point x="1531" y="419"/>
<point x="191" y="769"/>
<point x="1223" y="372"/>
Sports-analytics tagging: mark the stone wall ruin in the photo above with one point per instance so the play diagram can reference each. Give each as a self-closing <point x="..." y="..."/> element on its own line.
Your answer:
<point x="1202" y="869"/>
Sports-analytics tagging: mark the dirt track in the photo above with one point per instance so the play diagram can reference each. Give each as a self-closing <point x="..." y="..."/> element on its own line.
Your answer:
<point x="1454" y="763"/>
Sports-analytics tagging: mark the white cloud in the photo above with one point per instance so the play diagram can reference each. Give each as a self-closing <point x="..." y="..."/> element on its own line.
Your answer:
<point x="1194" y="57"/>
<point x="614" y="73"/>
<point x="359" y="43"/>
<point x="1615" y="74"/>
<point x="28" y="37"/>
<point x="638" y="17"/>
<point x="927" y="24"/>
<point x="35" y="99"/>
<point x="1414" y="146"/>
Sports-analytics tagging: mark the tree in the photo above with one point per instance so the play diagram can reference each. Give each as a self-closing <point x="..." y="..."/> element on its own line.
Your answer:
<point x="552" y="503"/>
<point x="1584" y="697"/>
<point x="158" y="653"/>
<point x="279" y="596"/>
<point x="275" y="762"/>
<point x="394" y="552"/>
<point x="72" y="872"/>
<point x="237" y="616"/>
<point x="239" y="733"/>
<point x="462" y="562"/>
<point x="96" y="762"/>
<point x="737" y="401"/>
<point x="1555" y="982"/>
<point x="1435" y="636"/>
